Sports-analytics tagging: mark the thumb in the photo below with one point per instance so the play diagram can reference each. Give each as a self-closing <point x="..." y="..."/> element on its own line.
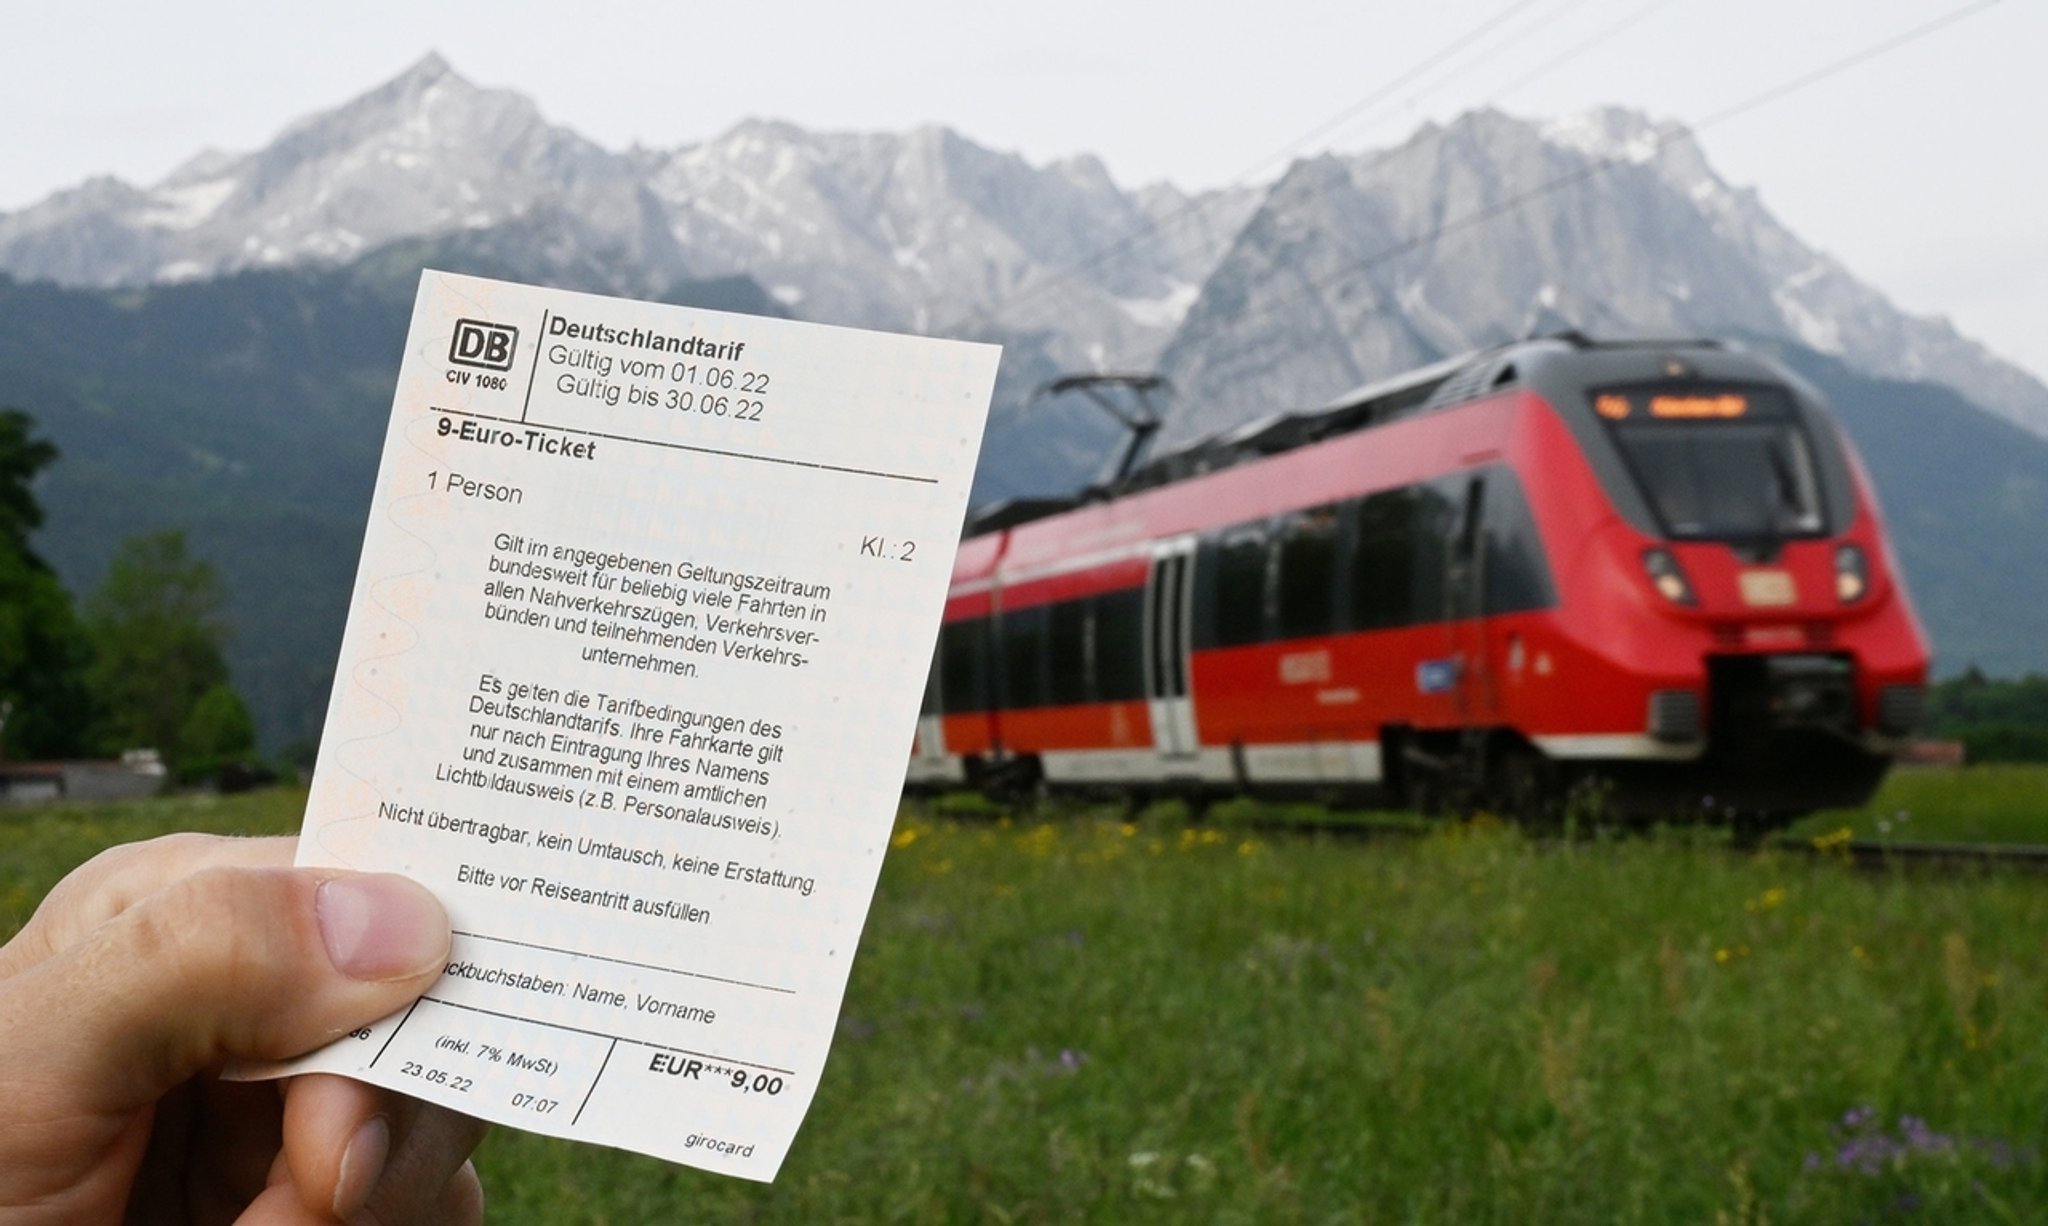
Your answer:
<point x="258" y="963"/>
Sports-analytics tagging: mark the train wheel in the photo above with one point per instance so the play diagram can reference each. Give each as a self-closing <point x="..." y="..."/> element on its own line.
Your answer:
<point x="1017" y="784"/>
<point x="1523" y="785"/>
<point x="1748" y="828"/>
<point x="1586" y="805"/>
<point x="1422" y="781"/>
<point x="1423" y="793"/>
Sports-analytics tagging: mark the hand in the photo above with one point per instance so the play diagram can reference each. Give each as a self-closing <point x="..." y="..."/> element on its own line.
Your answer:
<point x="152" y="965"/>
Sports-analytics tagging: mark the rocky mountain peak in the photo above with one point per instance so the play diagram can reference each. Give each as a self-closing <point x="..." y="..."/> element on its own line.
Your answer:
<point x="1475" y="231"/>
<point x="1346" y="267"/>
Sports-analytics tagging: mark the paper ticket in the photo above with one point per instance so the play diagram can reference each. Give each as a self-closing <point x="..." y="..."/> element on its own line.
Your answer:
<point x="645" y="610"/>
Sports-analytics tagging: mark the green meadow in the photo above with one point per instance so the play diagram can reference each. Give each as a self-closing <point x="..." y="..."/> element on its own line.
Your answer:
<point x="2000" y="803"/>
<point x="1078" y="1018"/>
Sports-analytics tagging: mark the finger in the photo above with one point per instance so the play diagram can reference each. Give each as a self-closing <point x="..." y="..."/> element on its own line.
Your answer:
<point x="259" y="963"/>
<point x="345" y="1140"/>
<point x="116" y="879"/>
<point x="427" y="1168"/>
<point x="459" y="1201"/>
<point x="337" y="1138"/>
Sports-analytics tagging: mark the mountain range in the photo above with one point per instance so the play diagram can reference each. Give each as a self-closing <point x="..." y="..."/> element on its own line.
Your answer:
<point x="216" y="351"/>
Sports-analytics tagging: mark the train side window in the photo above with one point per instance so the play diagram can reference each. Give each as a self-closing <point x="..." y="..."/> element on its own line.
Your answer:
<point x="1382" y="563"/>
<point x="1400" y="558"/>
<point x="1207" y="592"/>
<point x="1305" y="591"/>
<point x="1204" y="612"/>
<point x="1434" y="522"/>
<point x="1240" y="589"/>
<point x="1517" y="574"/>
<point x="1119" y="645"/>
<point x="1024" y="634"/>
<point x="963" y="665"/>
<point x="1067" y="654"/>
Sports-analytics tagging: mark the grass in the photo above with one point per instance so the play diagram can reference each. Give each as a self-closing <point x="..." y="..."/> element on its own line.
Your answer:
<point x="1087" y="1020"/>
<point x="1980" y="804"/>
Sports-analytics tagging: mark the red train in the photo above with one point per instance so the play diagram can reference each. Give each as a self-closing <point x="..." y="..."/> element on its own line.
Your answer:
<point x="1658" y="565"/>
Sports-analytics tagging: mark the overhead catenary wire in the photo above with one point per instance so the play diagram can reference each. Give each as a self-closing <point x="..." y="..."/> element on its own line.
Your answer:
<point x="1521" y="199"/>
<point x="1576" y="50"/>
<point x="1472" y="40"/>
<point x="1188" y="210"/>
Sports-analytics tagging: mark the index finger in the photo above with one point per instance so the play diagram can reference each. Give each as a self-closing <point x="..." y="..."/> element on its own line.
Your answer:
<point x="119" y="877"/>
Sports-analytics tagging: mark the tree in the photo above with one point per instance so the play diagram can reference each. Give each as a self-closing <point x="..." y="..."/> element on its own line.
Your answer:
<point x="43" y="700"/>
<point x="22" y="459"/>
<point x="156" y="634"/>
<point x="218" y="733"/>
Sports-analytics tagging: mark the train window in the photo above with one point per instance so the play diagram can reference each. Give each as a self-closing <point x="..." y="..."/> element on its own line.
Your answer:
<point x="1067" y="657"/>
<point x="963" y="665"/>
<point x="1720" y="463"/>
<point x="1380" y="561"/>
<point x="1024" y="634"/>
<point x="1119" y="645"/>
<point x="1208" y="554"/>
<point x="1517" y="576"/>
<point x="1435" y="519"/>
<point x="1396" y="565"/>
<point x="1726" y="481"/>
<point x="1237" y="601"/>
<point x="1305" y="589"/>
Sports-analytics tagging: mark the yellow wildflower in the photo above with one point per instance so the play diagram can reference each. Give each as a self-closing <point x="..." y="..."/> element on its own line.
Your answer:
<point x="1769" y="900"/>
<point x="1837" y="838"/>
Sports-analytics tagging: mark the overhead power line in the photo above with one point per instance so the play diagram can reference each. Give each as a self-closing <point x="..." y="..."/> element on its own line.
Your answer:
<point x="1576" y="50"/>
<point x="1468" y="41"/>
<point x="1151" y="228"/>
<point x="1599" y="166"/>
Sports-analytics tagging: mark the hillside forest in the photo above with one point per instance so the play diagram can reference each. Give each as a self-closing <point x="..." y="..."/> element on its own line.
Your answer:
<point x="141" y="664"/>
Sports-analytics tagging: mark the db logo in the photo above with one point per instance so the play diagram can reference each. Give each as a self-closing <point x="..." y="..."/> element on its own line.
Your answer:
<point x="481" y="344"/>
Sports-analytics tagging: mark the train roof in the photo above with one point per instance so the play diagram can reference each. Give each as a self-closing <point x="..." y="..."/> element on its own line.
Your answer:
<point x="1439" y="385"/>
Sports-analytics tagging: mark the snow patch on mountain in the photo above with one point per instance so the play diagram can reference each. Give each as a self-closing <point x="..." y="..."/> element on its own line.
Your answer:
<point x="1164" y="311"/>
<point x="187" y="205"/>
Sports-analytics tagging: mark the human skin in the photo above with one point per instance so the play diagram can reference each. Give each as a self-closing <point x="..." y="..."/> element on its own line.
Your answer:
<point x="151" y="967"/>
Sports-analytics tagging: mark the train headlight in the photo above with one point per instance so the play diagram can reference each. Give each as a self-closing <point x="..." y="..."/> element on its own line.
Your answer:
<point x="1852" y="573"/>
<point x="1667" y="578"/>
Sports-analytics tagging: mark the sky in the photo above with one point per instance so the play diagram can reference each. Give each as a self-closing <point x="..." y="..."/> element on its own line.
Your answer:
<point x="1921" y="168"/>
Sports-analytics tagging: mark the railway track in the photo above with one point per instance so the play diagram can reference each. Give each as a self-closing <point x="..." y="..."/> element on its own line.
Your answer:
<point x="1864" y="854"/>
<point x="1930" y="857"/>
<point x="1868" y="855"/>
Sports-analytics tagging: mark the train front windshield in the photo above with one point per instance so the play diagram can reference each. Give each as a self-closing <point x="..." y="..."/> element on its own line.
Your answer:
<point x="1729" y="464"/>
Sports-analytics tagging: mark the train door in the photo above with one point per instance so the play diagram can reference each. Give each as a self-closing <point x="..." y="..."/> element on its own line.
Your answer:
<point x="1465" y="590"/>
<point x="1168" y="600"/>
